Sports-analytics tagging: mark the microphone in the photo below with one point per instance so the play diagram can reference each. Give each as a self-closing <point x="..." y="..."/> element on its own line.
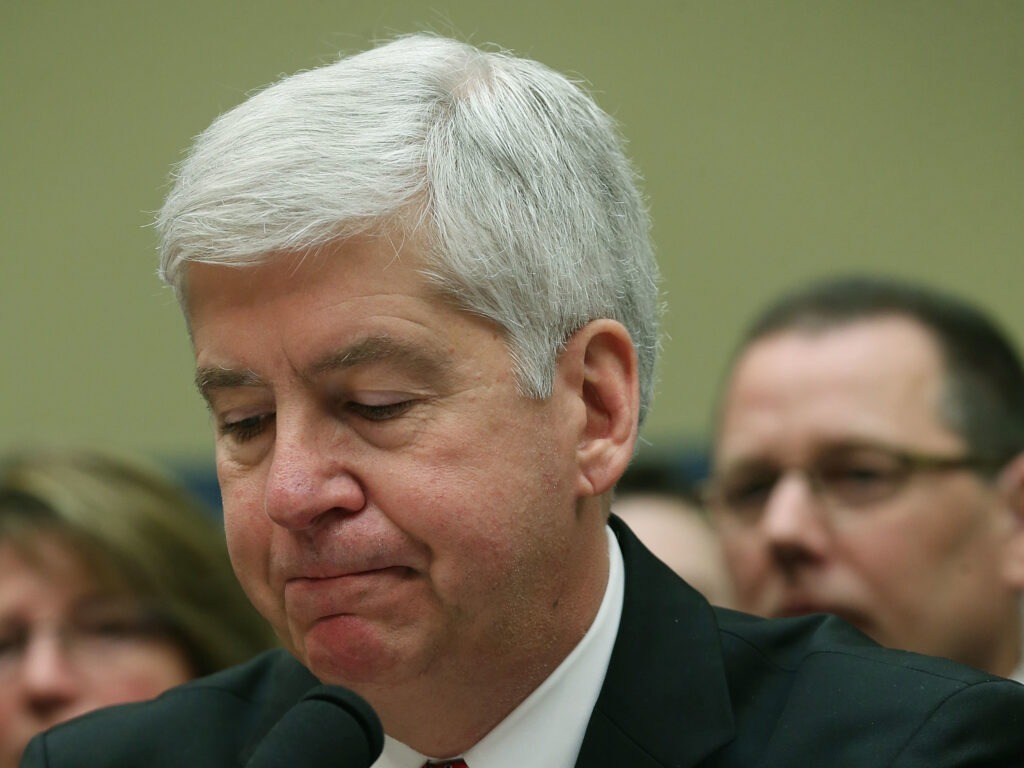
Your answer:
<point x="330" y="726"/>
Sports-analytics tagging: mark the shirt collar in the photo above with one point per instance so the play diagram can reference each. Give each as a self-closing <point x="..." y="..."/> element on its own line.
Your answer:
<point x="550" y="723"/>
<point x="1018" y="673"/>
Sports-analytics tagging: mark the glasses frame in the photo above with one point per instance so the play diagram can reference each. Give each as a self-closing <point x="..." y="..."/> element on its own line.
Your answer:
<point x="87" y="641"/>
<point x="912" y="463"/>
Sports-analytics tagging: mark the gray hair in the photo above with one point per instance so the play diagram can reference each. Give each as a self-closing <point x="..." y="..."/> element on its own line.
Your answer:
<point x="512" y="175"/>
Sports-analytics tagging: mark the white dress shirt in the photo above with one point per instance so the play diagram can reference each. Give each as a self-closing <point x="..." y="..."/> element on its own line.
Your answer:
<point x="1018" y="673"/>
<point x="550" y="723"/>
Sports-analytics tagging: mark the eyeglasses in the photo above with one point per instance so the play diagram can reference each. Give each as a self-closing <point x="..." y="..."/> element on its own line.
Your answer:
<point x="87" y="637"/>
<point x="847" y="477"/>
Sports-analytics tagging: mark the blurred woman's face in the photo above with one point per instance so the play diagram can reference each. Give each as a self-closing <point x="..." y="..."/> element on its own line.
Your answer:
<point x="67" y="648"/>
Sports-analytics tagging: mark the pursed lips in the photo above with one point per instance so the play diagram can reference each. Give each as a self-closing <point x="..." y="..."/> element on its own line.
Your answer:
<point x="318" y="594"/>
<point x="316" y="565"/>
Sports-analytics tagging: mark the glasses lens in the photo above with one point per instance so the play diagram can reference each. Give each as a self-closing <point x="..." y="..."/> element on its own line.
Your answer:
<point x="89" y="634"/>
<point x="13" y="640"/>
<point x="744" y="495"/>
<point x="859" y="477"/>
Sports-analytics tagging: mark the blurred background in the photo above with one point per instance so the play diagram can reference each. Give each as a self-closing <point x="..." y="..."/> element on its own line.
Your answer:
<point x="779" y="141"/>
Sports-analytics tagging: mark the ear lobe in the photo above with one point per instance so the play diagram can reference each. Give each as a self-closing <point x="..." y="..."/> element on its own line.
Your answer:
<point x="606" y="381"/>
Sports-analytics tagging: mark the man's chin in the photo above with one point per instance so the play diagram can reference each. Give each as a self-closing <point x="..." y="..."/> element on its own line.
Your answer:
<point x="347" y="650"/>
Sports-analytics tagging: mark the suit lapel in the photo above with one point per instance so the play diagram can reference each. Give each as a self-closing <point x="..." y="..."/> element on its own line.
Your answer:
<point x="664" y="700"/>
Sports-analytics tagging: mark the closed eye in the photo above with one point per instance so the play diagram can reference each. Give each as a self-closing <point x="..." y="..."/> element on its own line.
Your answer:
<point x="243" y="430"/>
<point x="380" y="412"/>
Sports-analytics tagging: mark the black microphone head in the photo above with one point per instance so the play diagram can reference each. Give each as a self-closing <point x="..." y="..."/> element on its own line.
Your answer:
<point x="330" y="726"/>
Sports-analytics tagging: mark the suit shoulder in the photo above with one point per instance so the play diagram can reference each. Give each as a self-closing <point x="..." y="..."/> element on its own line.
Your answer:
<point x="199" y="723"/>
<point x="805" y="682"/>
<point x="255" y="680"/>
<point x="823" y="640"/>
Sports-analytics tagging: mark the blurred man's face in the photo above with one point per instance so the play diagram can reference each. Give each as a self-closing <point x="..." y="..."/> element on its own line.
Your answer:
<point x="821" y="510"/>
<point x="393" y="505"/>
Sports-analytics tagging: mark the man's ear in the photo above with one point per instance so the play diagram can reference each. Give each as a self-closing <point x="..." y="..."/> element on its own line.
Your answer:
<point x="599" y="366"/>
<point x="1011" y="487"/>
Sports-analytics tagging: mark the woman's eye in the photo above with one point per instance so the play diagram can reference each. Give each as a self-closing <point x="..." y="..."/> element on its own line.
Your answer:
<point x="123" y="627"/>
<point x="12" y="642"/>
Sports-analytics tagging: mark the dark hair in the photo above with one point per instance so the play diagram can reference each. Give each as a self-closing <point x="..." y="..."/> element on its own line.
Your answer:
<point x="983" y="399"/>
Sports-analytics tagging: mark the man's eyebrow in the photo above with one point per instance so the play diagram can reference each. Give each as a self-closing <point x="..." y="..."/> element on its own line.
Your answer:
<point x="378" y="349"/>
<point x="210" y="379"/>
<point x="370" y="350"/>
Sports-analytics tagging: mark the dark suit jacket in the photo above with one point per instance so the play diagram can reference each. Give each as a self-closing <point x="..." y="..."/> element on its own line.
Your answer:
<point x="687" y="685"/>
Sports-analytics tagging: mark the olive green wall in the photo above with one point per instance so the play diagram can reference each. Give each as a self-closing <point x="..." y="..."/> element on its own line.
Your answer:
<point x="778" y="140"/>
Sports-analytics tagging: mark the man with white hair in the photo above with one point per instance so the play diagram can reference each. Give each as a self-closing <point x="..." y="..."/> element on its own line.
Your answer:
<point x="423" y="307"/>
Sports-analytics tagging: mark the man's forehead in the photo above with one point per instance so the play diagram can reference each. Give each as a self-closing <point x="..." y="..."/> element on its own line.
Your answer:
<point x="204" y="280"/>
<point x="386" y="250"/>
<point x="877" y="380"/>
<point x="861" y="365"/>
<point x="869" y="340"/>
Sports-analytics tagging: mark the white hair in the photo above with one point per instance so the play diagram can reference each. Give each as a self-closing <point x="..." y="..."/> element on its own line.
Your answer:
<point x="512" y="174"/>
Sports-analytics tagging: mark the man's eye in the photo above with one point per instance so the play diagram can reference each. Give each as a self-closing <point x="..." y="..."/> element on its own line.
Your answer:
<point x="243" y="430"/>
<point x="748" y="494"/>
<point x="380" y="412"/>
<point x="860" y="483"/>
<point x="752" y="491"/>
<point x="861" y="474"/>
<point x="857" y="475"/>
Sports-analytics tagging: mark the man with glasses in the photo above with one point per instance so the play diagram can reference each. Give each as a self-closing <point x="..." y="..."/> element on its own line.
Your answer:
<point x="869" y="462"/>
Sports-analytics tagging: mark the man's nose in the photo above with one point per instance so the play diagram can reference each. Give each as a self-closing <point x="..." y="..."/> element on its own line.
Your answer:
<point x="794" y="521"/>
<point x="310" y="476"/>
